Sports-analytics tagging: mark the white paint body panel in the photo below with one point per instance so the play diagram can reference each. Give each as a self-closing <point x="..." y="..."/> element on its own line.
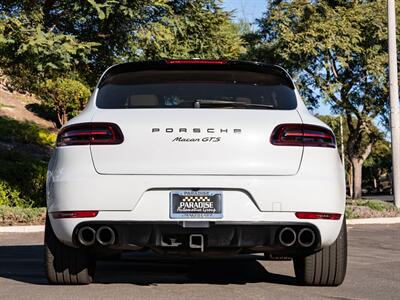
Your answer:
<point x="147" y="152"/>
<point x="261" y="183"/>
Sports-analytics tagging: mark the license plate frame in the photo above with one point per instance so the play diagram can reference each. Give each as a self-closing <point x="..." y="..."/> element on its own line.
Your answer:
<point x="201" y="204"/>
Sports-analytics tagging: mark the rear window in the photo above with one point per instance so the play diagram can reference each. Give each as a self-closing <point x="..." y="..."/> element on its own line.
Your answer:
<point x="195" y="89"/>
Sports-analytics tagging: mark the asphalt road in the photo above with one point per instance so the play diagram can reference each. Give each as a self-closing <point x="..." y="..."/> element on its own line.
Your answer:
<point x="373" y="273"/>
<point x="387" y="198"/>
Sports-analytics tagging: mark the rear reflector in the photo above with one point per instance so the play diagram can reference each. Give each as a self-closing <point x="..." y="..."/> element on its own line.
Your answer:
<point x="75" y="214"/>
<point x="318" y="215"/>
<point x="196" y="62"/>
<point x="302" y="135"/>
<point x="90" y="134"/>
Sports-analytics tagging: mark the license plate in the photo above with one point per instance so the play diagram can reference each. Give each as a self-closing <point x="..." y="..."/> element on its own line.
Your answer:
<point x="195" y="204"/>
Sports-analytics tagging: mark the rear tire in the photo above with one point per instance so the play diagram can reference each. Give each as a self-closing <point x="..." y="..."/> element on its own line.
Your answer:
<point x="326" y="267"/>
<point x="66" y="265"/>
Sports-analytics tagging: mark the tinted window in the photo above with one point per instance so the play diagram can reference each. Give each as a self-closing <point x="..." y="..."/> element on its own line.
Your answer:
<point x="181" y="89"/>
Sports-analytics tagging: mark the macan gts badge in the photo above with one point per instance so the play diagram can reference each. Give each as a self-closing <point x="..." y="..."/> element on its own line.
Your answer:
<point x="205" y="139"/>
<point x="196" y="158"/>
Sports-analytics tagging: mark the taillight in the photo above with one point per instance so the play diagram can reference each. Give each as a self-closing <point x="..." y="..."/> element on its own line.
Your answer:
<point x="303" y="135"/>
<point x="318" y="215"/>
<point x="90" y="134"/>
<point x="74" y="214"/>
<point x="196" y="62"/>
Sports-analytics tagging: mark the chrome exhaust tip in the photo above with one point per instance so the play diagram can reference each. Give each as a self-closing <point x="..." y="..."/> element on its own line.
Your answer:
<point x="105" y="236"/>
<point x="306" y="237"/>
<point x="287" y="237"/>
<point x="86" y="236"/>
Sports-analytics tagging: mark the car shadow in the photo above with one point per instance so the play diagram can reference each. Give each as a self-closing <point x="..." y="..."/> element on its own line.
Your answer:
<point x="25" y="264"/>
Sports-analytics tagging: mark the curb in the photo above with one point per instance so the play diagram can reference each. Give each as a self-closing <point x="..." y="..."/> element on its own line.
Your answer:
<point x="40" y="228"/>
<point x="22" y="229"/>
<point x="393" y="220"/>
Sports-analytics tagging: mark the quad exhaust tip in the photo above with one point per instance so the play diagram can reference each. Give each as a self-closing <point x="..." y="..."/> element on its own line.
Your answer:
<point x="105" y="236"/>
<point x="87" y="236"/>
<point x="306" y="237"/>
<point x="287" y="237"/>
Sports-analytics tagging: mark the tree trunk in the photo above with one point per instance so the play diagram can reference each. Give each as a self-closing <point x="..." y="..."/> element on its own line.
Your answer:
<point x="378" y="184"/>
<point x="62" y="116"/>
<point x="357" y="163"/>
<point x="351" y="176"/>
<point x="357" y="180"/>
<point x="65" y="118"/>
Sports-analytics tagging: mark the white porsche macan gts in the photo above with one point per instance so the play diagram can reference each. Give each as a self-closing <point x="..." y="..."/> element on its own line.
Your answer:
<point x="196" y="158"/>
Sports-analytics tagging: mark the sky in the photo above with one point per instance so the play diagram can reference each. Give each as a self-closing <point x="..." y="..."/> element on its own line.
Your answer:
<point x="249" y="10"/>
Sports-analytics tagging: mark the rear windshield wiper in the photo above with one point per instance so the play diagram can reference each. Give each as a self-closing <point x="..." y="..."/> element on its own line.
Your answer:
<point x="202" y="103"/>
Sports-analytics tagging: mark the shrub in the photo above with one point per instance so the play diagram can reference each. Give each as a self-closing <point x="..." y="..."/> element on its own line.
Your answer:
<point x="378" y="205"/>
<point x="349" y="213"/>
<point x="10" y="196"/>
<point x="24" y="153"/>
<point x="66" y="97"/>
<point x="22" y="179"/>
<point x="25" y="132"/>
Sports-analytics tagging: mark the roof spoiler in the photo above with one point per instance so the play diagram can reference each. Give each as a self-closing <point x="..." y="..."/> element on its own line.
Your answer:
<point x="198" y="64"/>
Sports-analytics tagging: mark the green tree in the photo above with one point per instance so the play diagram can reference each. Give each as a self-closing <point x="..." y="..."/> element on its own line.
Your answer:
<point x="190" y="29"/>
<point x="47" y="38"/>
<point x="66" y="97"/>
<point x="30" y="53"/>
<point x="378" y="166"/>
<point x="378" y="162"/>
<point x="337" y="52"/>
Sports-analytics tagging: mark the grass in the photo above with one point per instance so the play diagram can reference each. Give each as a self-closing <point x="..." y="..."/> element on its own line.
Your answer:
<point x="370" y="208"/>
<point x="15" y="131"/>
<point x="6" y="106"/>
<point x="22" y="216"/>
<point x="372" y="204"/>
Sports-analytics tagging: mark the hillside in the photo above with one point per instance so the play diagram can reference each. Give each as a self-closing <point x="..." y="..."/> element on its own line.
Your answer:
<point x="20" y="107"/>
<point x="26" y="142"/>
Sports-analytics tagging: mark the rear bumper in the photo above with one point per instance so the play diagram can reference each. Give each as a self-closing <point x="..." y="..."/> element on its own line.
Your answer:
<point x="176" y="237"/>
<point x="261" y="229"/>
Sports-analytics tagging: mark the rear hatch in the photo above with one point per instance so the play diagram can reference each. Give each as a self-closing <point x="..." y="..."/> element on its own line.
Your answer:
<point x="196" y="119"/>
